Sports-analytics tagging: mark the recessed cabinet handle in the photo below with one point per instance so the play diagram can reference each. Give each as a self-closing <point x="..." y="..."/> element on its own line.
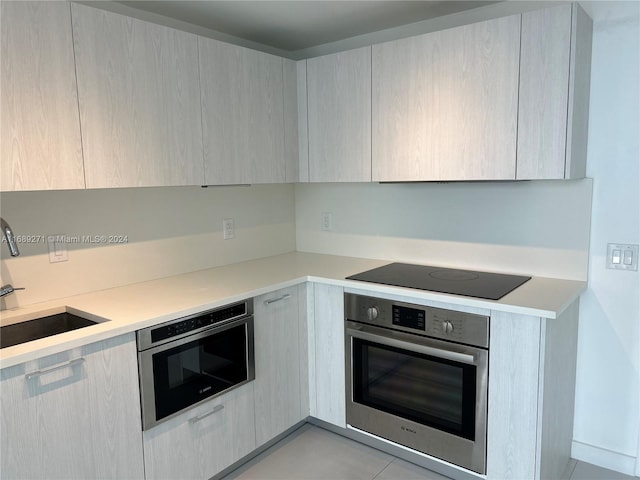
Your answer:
<point x="196" y="419"/>
<point x="274" y="300"/>
<point x="38" y="373"/>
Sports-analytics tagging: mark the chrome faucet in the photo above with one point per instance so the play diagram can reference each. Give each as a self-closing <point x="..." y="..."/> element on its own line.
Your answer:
<point x="13" y="249"/>
<point x="10" y="237"/>
<point x="7" y="289"/>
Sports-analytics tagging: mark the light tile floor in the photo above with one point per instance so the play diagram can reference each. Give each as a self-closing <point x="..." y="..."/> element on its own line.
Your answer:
<point x="312" y="453"/>
<point x="586" y="471"/>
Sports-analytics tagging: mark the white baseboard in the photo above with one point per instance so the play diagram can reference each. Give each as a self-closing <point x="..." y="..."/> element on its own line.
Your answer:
<point x="604" y="458"/>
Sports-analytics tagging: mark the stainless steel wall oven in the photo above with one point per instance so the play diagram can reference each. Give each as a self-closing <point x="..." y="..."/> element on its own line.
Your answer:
<point x="186" y="361"/>
<point x="417" y="376"/>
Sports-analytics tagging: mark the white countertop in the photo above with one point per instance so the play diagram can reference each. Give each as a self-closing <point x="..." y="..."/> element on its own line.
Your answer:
<point x="140" y="305"/>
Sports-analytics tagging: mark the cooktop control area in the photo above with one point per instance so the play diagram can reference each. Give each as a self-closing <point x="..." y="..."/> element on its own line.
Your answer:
<point x="490" y="286"/>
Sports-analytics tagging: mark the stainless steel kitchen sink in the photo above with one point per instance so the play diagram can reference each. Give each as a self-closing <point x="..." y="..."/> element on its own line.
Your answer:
<point x="41" y="327"/>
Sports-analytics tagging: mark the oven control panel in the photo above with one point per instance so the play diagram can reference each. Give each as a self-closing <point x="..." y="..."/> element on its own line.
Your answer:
<point x="194" y="323"/>
<point x="181" y="327"/>
<point x="452" y="325"/>
<point x="406" y="317"/>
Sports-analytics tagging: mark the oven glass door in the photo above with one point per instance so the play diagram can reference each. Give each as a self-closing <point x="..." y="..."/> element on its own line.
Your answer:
<point x="196" y="369"/>
<point x="432" y="391"/>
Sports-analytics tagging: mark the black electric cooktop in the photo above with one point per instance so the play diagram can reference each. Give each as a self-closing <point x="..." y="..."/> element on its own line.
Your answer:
<point x="490" y="286"/>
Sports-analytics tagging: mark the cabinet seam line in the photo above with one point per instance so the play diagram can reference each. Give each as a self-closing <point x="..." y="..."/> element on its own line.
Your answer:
<point x="75" y="72"/>
<point x="306" y="82"/>
<point x="540" y="395"/>
<point x="371" y="113"/>
<point x="284" y="127"/>
<point x="204" y="180"/>
<point x="518" y="95"/>
<point x="570" y="76"/>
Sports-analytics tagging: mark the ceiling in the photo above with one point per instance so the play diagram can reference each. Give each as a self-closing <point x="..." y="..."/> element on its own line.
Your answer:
<point x="296" y="25"/>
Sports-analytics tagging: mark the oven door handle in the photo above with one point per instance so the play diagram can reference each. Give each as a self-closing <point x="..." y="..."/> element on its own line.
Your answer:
<point x="413" y="347"/>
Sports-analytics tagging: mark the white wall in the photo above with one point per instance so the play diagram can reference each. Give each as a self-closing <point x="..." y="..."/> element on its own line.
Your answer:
<point x="539" y="228"/>
<point x="170" y="231"/>
<point x="607" y="416"/>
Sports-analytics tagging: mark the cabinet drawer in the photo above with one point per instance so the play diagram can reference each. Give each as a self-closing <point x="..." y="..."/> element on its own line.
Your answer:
<point x="204" y="440"/>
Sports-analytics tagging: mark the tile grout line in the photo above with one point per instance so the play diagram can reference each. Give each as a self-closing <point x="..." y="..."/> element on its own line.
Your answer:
<point x="383" y="469"/>
<point x="573" y="469"/>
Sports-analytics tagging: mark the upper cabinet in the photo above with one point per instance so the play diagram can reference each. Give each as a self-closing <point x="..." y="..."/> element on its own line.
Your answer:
<point x="445" y="104"/>
<point x="339" y="116"/>
<point x="555" y="64"/>
<point x="95" y="99"/>
<point x="40" y="130"/>
<point x="139" y="98"/>
<point x="242" y="114"/>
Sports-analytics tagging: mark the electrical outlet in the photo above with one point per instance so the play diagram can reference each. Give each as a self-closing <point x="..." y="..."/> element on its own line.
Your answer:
<point x="325" y="220"/>
<point x="621" y="256"/>
<point x="228" y="230"/>
<point x="57" y="248"/>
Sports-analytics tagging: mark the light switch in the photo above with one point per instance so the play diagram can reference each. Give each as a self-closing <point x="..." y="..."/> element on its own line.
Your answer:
<point x="616" y="257"/>
<point x="622" y="256"/>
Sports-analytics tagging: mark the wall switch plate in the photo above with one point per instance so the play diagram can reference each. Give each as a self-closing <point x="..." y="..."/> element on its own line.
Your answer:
<point x="228" y="230"/>
<point x="57" y="248"/>
<point x="325" y="221"/>
<point x="622" y="256"/>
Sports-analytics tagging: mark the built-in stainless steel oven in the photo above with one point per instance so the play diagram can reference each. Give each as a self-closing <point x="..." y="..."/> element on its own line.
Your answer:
<point x="417" y="376"/>
<point x="186" y="361"/>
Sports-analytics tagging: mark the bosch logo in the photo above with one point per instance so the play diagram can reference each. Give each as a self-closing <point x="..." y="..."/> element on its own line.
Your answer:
<point x="405" y="429"/>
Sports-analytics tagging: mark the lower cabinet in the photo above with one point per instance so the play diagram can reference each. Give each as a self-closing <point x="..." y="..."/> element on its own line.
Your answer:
<point x="204" y="440"/>
<point x="76" y="414"/>
<point x="326" y="355"/>
<point x="532" y="377"/>
<point x="279" y="366"/>
<point x="73" y="415"/>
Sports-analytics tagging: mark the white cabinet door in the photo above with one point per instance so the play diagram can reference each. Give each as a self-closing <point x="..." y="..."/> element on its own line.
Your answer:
<point x="544" y="80"/>
<point x="327" y="368"/>
<point x="339" y="116"/>
<point x="40" y="128"/>
<point x="445" y="104"/>
<point x="532" y="365"/>
<point x="554" y="93"/>
<point x="242" y="114"/>
<point x="278" y="364"/>
<point x="139" y="96"/>
<point x="204" y="440"/>
<point x="79" y="421"/>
